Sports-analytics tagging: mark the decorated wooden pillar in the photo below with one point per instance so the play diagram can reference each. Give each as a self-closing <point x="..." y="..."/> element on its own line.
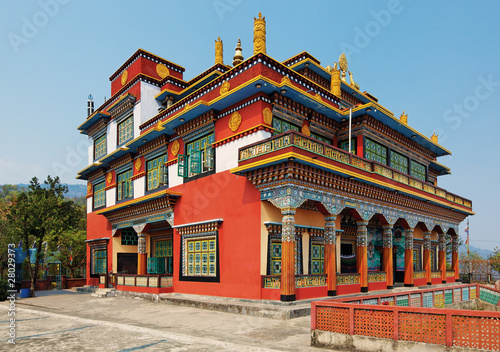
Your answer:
<point x="288" y="255"/>
<point x="330" y="255"/>
<point x="387" y="261"/>
<point x="409" y="257"/>
<point x="442" y="256"/>
<point x="427" y="256"/>
<point x="362" y="254"/>
<point x="454" y="255"/>
<point x="142" y="257"/>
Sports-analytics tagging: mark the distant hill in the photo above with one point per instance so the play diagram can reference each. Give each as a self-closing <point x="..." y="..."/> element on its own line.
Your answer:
<point x="482" y="252"/>
<point x="73" y="190"/>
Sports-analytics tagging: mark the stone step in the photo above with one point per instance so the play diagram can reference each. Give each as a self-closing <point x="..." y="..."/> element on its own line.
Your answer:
<point x="104" y="292"/>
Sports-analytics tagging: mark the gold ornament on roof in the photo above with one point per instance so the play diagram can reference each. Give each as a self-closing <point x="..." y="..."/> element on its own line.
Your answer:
<point x="305" y="130"/>
<point x="235" y="121"/>
<point x="404" y="118"/>
<point x="434" y="137"/>
<point x="259" y="35"/>
<point x="224" y="89"/>
<point x="124" y="77"/>
<point x="175" y="147"/>
<point x="343" y="65"/>
<point x="138" y="164"/>
<point x="268" y="116"/>
<point x="109" y="177"/>
<point x="335" y="81"/>
<point x="285" y="80"/>
<point x="219" y="52"/>
<point x="162" y="71"/>
<point x="354" y="84"/>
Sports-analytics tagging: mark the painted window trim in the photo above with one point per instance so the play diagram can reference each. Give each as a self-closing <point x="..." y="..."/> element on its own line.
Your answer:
<point x="183" y="272"/>
<point x="101" y="140"/>
<point x="120" y="141"/>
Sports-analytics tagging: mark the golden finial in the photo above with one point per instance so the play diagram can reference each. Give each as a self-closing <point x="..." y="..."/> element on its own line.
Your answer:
<point x="343" y="66"/>
<point x="434" y="137"/>
<point x="404" y="118"/>
<point x="335" y="80"/>
<point x="238" y="57"/>
<point x="218" y="52"/>
<point x="259" y="35"/>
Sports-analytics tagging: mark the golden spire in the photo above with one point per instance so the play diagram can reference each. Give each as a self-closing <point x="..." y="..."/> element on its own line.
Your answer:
<point x="404" y="118"/>
<point x="218" y="52"/>
<point x="335" y="81"/>
<point x="238" y="57"/>
<point x="434" y="137"/>
<point x="259" y="35"/>
<point x="343" y="66"/>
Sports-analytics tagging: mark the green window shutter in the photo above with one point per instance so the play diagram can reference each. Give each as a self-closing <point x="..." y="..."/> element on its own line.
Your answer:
<point x="195" y="162"/>
<point x="182" y="169"/>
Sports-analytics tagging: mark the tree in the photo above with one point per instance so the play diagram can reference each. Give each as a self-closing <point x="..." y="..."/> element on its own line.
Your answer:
<point x="495" y="259"/>
<point x="41" y="214"/>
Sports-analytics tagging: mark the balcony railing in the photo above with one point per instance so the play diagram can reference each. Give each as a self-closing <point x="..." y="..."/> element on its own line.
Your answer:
<point x="157" y="281"/>
<point x="301" y="281"/>
<point x="294" y="139"/>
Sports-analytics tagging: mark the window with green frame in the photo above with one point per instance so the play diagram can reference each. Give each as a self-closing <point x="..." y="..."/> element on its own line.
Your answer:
<point x="157" y="172"/>
<point x="201" y="254"/>
<point x="417" y="170"/>
<point x="417" y="263"/>
<point x="99" y="195"/>
<point x="281" y="126"/>
<point x="100" y="146"/>
<point x="126" y="130"/>
<point x="344" y="145"/>
<point x="275" y="257"/>
<point x="99" y="262"/>
<point x="201" y="155"/>
<point x="165" y="249"/>
<point x="129" y="237"/>
<point x="124" y="185"/>
<point x="375" y="151"/>
<point x="399" y="162"/>
<point x="433" y="259"/>
<point x="317" y="258"/>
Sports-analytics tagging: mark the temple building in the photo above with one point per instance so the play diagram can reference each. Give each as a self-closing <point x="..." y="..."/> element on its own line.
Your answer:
<point x="263" y="179"/>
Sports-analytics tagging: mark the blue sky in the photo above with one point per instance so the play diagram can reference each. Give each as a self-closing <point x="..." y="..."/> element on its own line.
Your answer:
<point x="438" y="61"/>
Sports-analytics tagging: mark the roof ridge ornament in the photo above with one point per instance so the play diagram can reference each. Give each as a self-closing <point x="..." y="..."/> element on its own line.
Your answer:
<point x="335" y="80"/>
<point x="219" y="59"/>
<point x="404" y="118"/>
<point x="259" y="35"/>
<point x="238" y="56"/>
<point x="343" y="66"/>
<point x="434" y="137"/>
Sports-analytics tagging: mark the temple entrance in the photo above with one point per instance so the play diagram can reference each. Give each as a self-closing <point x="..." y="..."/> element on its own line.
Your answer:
<point x="127" y="263"/>
<point x="398" y="257"/>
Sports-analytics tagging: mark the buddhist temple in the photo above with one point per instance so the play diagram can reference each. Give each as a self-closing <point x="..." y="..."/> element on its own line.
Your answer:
<point x="262" y="179"/>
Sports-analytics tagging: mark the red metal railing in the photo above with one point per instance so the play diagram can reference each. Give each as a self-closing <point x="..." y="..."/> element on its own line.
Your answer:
<point x="449" y="327"/>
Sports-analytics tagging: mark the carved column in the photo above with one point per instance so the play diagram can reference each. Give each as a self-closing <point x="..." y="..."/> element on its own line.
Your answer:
<point x="330" y="255"/>
<point x="362" y="255"/>
<point x="288" y="255"/>
<point x="409" y="257"/>
<point x="454" y="255"/>
<point x="387" y="260"/>
<point x="427" y="256"/>
<point x="442" y="256"/>
<point x="141" y="249"/>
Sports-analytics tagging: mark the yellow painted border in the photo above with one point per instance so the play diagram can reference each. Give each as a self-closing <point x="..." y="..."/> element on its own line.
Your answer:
<point x="137" y="200"/>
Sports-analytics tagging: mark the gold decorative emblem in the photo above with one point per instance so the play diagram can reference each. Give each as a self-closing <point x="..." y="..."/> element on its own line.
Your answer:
<point x="89" y="187"/>
<point x="404" y="118"/>
<point x="124" y="77"/>
<point x="235" y="121"/>
<point x="138" y="164"/>
<point x="305" y="130"/>
<point x="162" y="70"/>
<point x="224" y="88"/>
<point x="175" y="147"/>
<point x="318" y="97"/>
<point x="109" y="177"/>
<point x="434" y="137"/>
<point x="285" y="80"/>
<point x="343" y="65"/>
<point x="219" y="52"/>
<point x="259" y="35"/>
<point x="268" y="116"/>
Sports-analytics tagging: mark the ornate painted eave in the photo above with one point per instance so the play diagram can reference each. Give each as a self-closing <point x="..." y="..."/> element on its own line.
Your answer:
<point x="297" y="148"/>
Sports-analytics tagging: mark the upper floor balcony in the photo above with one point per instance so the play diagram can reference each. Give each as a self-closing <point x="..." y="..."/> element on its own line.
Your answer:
<point x="294" y="146"/>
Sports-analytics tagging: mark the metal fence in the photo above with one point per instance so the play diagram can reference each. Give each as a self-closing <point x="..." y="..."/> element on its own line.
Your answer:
<point x="479" y="271"/>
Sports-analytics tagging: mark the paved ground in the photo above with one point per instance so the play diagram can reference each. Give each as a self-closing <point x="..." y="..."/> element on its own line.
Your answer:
<point x="67" y="321"/>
